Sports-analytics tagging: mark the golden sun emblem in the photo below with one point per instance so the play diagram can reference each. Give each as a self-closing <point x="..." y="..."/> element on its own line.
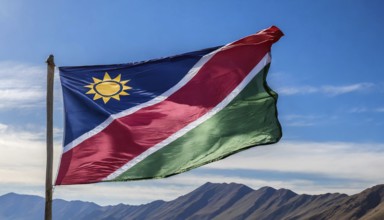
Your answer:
<point x="108" y="88"/>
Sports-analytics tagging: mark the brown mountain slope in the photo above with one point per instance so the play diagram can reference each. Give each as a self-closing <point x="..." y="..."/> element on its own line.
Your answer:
<point x="269" y="203"/>
<point x="368" y="204"/>
<point x="375" y="214"/>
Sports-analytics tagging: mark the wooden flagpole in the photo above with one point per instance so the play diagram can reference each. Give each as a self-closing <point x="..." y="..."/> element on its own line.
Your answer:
<point x="48" y="177"/>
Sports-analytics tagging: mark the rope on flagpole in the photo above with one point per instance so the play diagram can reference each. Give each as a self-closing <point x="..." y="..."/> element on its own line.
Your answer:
<point x="48" y="177"/>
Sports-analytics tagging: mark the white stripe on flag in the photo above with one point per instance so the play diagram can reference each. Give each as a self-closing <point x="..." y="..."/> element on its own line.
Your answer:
<point x="263" y="62"/>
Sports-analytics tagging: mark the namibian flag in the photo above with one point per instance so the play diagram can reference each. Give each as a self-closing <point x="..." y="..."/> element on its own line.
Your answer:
<point x="162" y="117"/>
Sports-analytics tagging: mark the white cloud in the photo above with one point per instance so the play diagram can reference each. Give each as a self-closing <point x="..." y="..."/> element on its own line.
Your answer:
<point x="326" y="89"/>
<point x="358" y="110"/>
<point x="301" y="120"/>
<point x="338" y="90"/>
<point x="364" y="110"/>
<point x="21" y="98"/>
<point x="22" y="158"/>
<point x="362" y="161"/>
<point x="3" y="127"/>
<point x="24" y="86"/>
<point x="297" y="90"/>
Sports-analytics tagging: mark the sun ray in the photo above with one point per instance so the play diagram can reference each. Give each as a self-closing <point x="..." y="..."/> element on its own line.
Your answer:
<point x="106" y="99"/>
<point x="97" y="96"/>
<point x="91" y="92"/>
<point x="95" y="80"/>
<point x="118" y="78"/>
<point x="117" y="97"/>
<point x="106" y="77"/>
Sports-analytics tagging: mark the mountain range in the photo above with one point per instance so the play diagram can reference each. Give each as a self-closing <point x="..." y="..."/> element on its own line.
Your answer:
<point x="211" y="201"/>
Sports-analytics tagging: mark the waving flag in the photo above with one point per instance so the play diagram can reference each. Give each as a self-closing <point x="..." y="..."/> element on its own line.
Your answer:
<point x="162" y="117"/>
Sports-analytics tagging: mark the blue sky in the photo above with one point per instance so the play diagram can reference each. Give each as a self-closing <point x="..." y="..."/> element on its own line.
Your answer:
<point x="328" y="70"/>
